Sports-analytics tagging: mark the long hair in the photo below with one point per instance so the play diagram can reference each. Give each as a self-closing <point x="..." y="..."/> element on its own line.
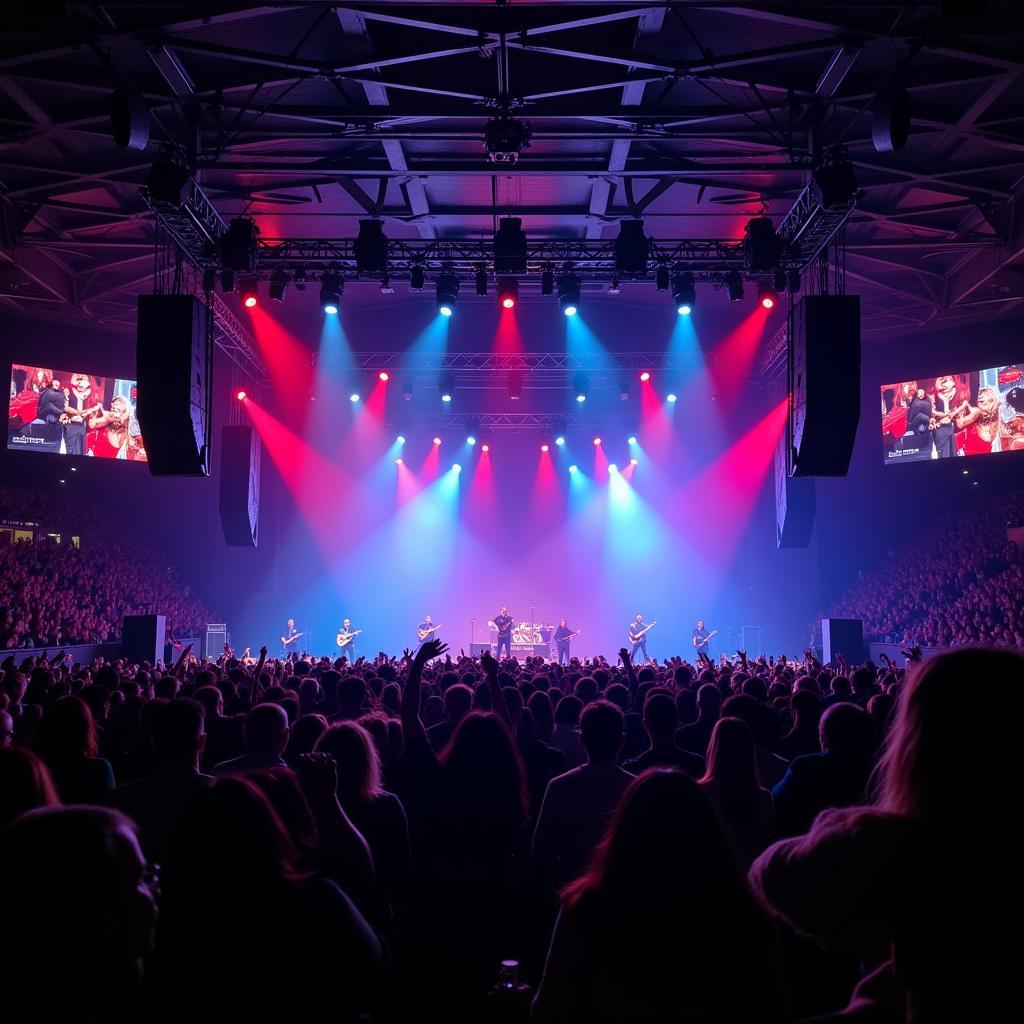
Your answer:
<point x="731" y="763"/>
<point x="25" y="783"/>
<point x="951" y="757"/>
<point x="66" y="732"/>
<point x="355" y="753"/>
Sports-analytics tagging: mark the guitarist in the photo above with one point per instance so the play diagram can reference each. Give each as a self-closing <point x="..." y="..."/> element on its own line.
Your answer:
<point x="503" y="624"/>
<point x="563" y="637"/>
<point x="347" y="640"/>
<point x="289" y="639"/>
<point x="426" y="630"/>
<point x="702" y="638"/>
<point x="638" y="637"/>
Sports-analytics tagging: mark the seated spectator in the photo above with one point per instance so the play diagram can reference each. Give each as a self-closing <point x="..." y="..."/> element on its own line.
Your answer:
<point x="730" y="783"/>
<point x="66" y="741"/>
<point x="25" y="783"/>
<point x="660" y="720"/>
<point x="923" y="883"/>
<point x="579" y="805"/>
<point x="155" y="803"/>
<point x="837" y="777"/>
<point x="79" y="919"/>
<point x="641" y="933"/>
<point x="265" y="736"/>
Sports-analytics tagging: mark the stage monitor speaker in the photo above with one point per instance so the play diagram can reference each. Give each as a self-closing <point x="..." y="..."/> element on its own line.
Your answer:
<point x="174" y="376"/>
<point x="842" y="636"/>
<point x="824" y="359"/>
<point x="240" y="451"/>
<point x="142" y="638"/>
<point x="794" y="504"/>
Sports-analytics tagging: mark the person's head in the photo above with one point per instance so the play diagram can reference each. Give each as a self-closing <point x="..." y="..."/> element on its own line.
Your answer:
<point x="731" y="758"/>
<point x="25" y="783"/>
<point x="567" y="711"/>
<point x="639" y="617"/>
<point x="266" y="730"/>
<point x="357" y="759"/>
<point x="351" y="694"/>
<point x="66" y="732"/>
<point x="941" y="725"/>
<point x="562" y="623"/>
<point x="700" y="623"/>
<point x="291" y="622"/>
<point x="602" y="731"/>
<point x="346" y="623"/>
<point x="988" y="401"/>
<point x="120" y="411"/>
<point x="179" y="734"/>
<point x="81" y="382"/>
<point x="709" y="701"/>
<point x="542" y="712"/>
<point x="846" y="729"/>
<point x="805" y="706"/>
<point x="304" y="735"/>
<point x="504" y="609"/>
<point x="585" y="689"/>
<point x="6" y="729"/>
<point x="212" y="700"/>
<point x="660" y="718"/>
<point x="458" y="700"/>
<point x="427" y="619"/>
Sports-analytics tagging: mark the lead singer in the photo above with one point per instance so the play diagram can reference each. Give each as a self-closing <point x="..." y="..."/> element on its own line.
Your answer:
<point x="503" y="624"/>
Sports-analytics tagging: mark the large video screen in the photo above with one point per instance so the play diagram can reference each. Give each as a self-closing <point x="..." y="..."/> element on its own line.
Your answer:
<point x="954" y="415"/>
<point x="67" y="412"/>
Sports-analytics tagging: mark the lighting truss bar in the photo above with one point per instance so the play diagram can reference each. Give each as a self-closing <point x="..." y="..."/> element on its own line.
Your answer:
<point x="512" y="421"/>
<point x="809" y="226"/>
<point x="773" y="355"/>
<point x="528" y="362"/>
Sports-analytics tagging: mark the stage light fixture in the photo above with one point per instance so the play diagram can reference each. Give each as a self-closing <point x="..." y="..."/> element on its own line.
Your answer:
<point x="645" y="376"/>
<point x="481" y="281"/>
<point x="407" y="390"/>
<point x="447" y="293"/>
<point x="485" y="447"/>
<point x="631" y="439"/>
<point x="398" y="461"/>
<point x="581" y="385"/>
<point x="632" y="249"/>
<point x="471" y="439"/>
<point x="456" y="468"/>
<point x="671" y="396"/>
<point x="762" y="248"/>
<point x="508" y="292"/>
<point x="437" y="440"/>
<point x="574" y="468"/>
<point x="684" y="293"/>
<point x="354" y="397"/>
<point x="416" y="277"/>
<point x="569" y="294"/>
<point x="614" y="288"/>
<point x="597" y="441"/>
<point x="384" y="376"/>
<point x="238" y="245"/>
<point x="767" y="295"/>
<point x="560" y="429"/>
<point x="634" y="461"/>
<point x="249" y="293"/>
<point x="625" y="386"/>
<point x="227" y="281"/>
<point x="167" y="177"/>
<point x="547" y="281"/>
<point x="278" y="286"/>
<point x="510" y="247"/>
<point x="446" y="385"/>
<point x="400" y="439"/>
<point x="545" y="447"/>
<point x="560" y="440"/>
<point x="505" y="138"/>
<point x="386" y="287"/>
<point x="240" y="395"/>
<point x="371" y="249"/>
<point x="661" y="277"/>
<point x="612" y="468"/>
<point x="515" y="385"/>
<point x="734" y="286"/>
<point x="331" y="288"/>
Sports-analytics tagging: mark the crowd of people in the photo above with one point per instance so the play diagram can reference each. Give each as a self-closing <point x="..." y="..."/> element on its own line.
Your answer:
<point x="960" y="581"/>
<point x="61" y="593"/>
<point x="429" y="837"/>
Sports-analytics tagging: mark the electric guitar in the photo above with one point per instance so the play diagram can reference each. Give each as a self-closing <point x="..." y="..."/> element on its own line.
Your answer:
<point x="291" y="639"/>
<point x="345" y="639"/>
<point x="424" y="633"/>
<point x="566" y="639"/>
<point x="699" y="645"/>
<point x="634" y="636"/>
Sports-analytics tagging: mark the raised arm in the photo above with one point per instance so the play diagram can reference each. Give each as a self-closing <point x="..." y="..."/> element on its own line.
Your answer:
<point x="498" y="703"/>
<point x="412" y="725"/>
<point x="627" y="663"/>
<point x="179" y="665"/>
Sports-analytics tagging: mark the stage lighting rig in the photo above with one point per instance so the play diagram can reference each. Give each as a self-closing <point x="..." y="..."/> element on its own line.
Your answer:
<point x="447" y="293"/>
<point x="331" y="288"/>
<point x="278" y="286"/>
<point x="416" y="277"/>
<point x="238" y="245"/>
<point x="581" y="385"/>
<point x="508" y="292"/>
<point x="762" y="247"/>
<point x="569" y="294"/>
<point x="510" y="247"/>
<point x="480" y="279"/>
<point x="734" y="286"/>
<point x="446" y="385"/>
<point x="767" y="295"/>
<point x="684" y="293"/>
<point x="632" y="248"/>
<point x="168" y="177"/>
<point x="248" y="289"/>
<point x="504" y="139"/>
<point x="371" y="249"/>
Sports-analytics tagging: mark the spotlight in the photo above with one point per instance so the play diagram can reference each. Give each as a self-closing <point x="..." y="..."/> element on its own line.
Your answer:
<point x="447" y="293"/>
<point x="472" y="431"/>
<point x="581" y="383"/>
<point x="835" y="182"/>
<point x="645" y="376"/>
<point x="734" y="286"/>
<point x="354" y="397"/>
<point x="240" y="395"/>
<point x="547" y="281"/>
<point x="631" y="439"/>
<point x="470" y="440"/>
<point x="398" y="461"/>
<point x="456" y="468"/>
<point x="612" y="468"/>
<point x="671" y="396"/>
<point x="331" y="288"/>
<point x="504" y="139"/>
<point x="574" y="468"/>
<point x="416" y="277"/>
<point x="767" y="295"/>
<point x="384" y="376"/>
<point x="625" y="384"/>
<point x="437" y="440"/>
<point x="248" y="290"/>
<point x="515" y="385"/>
<point x="762" y="248"/>
<point x="508" y="292"/>
<point x="407" y="390"/>
<point x="684" y="293"/>
<point x="238" y="245"/>
<point x="633" y="462"/>
<point x="661" y="278"/>
<point x="227" y="281"/>
<point x="485" y="447"/>
<point x="510" y="247"/>
<point x="597" y="441"/>
<point x="481" y="281"/>
<point x="400" y="439"/>
<point x="560" y="430"/>
<point x="446" y="385"/>
<point x="371" y="249"/>
<point x="278" y="286"/>
<point x="545" y="447"/>
<point x="569" y="294"/>
<point x="560" y="440"/>
<point x="631" y="249"/>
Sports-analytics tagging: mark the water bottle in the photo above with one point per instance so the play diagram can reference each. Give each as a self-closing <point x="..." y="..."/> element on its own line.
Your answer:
<point x="509" y="1001"/>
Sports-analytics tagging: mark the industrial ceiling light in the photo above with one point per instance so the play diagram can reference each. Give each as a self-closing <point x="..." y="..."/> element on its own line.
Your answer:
<point x="447" y="293"/>
<point x="505" y="138"/>
<point x="684" y="293"/>
<point x="569" y="294"/>
<point x="331" y="288"/>
<point x="508" y="292"/>
<point x="767" y="295"/>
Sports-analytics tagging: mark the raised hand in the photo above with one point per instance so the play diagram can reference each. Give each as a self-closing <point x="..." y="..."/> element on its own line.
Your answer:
<point x="318" y="775"/>
<point x="489" y="663"/>
<point x="263" y="651"/>
<point x="624" y="655"/>
<point x="430" y="649"/>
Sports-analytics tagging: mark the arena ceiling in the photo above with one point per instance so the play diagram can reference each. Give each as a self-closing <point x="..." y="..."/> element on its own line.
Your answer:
<point x="695" y="115"/>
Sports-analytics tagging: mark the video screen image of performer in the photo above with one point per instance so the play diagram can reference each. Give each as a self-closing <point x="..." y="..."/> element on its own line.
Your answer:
<point x="637" y="632"/>
<point x="347" y="639"/>
<point x="426" y="630"/>
<point x="563" y="639"/>
<point x="701" y="638"/>
<point x="503" y="624"/>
